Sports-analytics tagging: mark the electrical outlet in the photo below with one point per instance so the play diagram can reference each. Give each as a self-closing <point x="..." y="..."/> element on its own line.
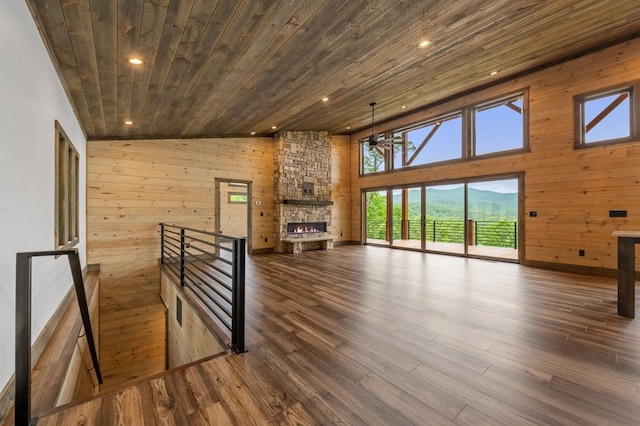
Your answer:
<point x="533" y="214"/>
<point x="581" y="252"/>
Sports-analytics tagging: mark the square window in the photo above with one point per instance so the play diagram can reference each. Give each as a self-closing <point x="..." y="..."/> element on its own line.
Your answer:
<point x="605" y="116"/>
<point x="499" y="126"/>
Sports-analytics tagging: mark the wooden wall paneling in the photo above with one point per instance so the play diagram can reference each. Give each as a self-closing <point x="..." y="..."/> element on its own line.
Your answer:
<point x="190" y="340"/>
<point x="571" y="189"/>
<point x="341" y="188"/>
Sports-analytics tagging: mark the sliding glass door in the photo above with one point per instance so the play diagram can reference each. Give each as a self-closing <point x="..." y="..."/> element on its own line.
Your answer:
<point x="492" y="218"/>
<point x="445" y="218"/>
<point x="377" y="223"/>
<point x="474" y="218"/>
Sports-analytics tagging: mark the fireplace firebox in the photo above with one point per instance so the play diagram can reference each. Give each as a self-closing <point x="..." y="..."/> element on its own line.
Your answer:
<point x="306" y="228"/>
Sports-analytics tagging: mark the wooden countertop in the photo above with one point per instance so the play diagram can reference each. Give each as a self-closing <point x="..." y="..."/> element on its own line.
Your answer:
<point x="632" y="234"/>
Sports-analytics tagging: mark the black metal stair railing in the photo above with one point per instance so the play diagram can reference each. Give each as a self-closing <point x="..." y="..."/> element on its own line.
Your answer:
<point x="212" y="267"/>
<point x="23" y="326"/>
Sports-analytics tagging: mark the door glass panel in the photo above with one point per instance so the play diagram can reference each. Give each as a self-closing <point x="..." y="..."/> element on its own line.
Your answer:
<point x="493" y="218"/>
<point x="407" y="211"/>
<point x="445" y="218"/>
<point x="376" y="217"/>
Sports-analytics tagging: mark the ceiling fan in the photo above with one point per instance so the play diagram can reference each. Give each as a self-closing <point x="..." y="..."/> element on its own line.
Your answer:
<point x="379" y="139"/>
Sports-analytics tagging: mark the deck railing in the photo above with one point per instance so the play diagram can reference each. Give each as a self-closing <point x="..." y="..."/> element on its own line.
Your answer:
<point x="23" y="326"/>
<point x="483" y="233"/>
<point x="212" y="267"/>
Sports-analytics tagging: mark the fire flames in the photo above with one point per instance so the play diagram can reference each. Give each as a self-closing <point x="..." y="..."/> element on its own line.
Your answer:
<point x="304" y="229"/>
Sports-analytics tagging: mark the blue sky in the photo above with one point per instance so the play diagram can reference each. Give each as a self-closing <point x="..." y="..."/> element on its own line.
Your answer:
<point x="500" y="128"/>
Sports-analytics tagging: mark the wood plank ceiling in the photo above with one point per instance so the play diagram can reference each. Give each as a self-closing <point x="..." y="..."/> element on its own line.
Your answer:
<point x="228" y="68"/>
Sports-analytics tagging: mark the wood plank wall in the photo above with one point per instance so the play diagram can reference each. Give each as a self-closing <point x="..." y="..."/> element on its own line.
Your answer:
<point x="572" y="190"/>
<point x="340" y="188"/>
<point x="190" y="339"/>
<point x="131" y="188"/>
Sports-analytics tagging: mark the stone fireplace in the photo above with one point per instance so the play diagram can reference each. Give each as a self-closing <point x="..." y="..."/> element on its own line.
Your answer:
<point x="302" y="187"/>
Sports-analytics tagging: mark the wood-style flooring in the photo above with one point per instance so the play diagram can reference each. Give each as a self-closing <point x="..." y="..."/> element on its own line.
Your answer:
<point x="365" y="335"/>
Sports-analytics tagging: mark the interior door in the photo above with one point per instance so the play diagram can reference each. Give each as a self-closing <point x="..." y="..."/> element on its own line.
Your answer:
<point x="234" y="208"/>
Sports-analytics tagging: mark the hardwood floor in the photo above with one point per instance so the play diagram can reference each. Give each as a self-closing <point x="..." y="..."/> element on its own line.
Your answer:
<point x="364" y="335"/>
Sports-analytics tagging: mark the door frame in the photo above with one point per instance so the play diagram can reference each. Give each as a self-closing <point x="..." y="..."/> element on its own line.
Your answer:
<point x="218" y="181"/>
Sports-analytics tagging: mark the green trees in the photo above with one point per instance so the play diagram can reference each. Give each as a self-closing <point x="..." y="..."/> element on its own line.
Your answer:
<point x="494" y="215"/>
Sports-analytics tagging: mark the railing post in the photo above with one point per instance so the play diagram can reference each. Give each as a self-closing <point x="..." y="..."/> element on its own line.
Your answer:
<point x="434" y="231"/>
<point x="237" y="320"/>
<point x="23" y="340"/>
<point x="515" y="235"/>
<point x="76" y="272"/>
<point x="182" y="257"/>
<point x="162" y="243"/>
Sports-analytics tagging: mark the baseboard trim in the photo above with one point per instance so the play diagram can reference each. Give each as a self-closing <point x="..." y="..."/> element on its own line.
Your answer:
<point x="576" y="269"/>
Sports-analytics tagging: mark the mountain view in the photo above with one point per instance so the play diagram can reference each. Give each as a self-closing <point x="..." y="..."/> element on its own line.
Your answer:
<point x="448" y="204"/>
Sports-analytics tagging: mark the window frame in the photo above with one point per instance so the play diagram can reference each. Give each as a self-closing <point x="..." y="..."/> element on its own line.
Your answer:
<point x="386" y="158"/>
<point x="472" y="145"/>
<point x="466" y="113"/>
<point x="579" y="114"/>
<point x="441" y="118"/>
<point x="67" y="191"/>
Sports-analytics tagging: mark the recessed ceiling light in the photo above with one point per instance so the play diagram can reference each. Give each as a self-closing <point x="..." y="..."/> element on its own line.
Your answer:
<point x="424" y="43"/>
<point x="325" y="99"/>
<point x="493" y="73"/>
<point x="252" y="133"/>
<point x="274" y="127"/>
<point x="403" y="107"/>
<point x="348" y="127"/>
<point x="135" y="61"/>
<point x="128" y="122"/>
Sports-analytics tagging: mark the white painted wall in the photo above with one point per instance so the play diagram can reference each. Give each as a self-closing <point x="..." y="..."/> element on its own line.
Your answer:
<point x="31" y="99"/>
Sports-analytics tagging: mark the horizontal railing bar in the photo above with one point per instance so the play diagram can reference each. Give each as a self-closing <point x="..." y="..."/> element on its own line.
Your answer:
<point x="209" y="243"/>
<point x="210" y="276"/>
<point x="221" y="306"/>
<point x="198" y="293"/>
<point x="172" y="238"/>
<point x="174" y="268"/>
<point x="200" y="231"/>
<point x="213" y="265"/>
<point x="228" y="262"/>
<point x="172" y="244"/>
<point x="177" y="253"/>
<point x="212" y="288"/>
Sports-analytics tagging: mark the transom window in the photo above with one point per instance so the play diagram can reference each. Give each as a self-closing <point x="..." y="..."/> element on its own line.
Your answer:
<point x="494" y="127"/>
<point x="605" y="117"/>
<point x="499" y="126"/>
<point x="436" y="141"/>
